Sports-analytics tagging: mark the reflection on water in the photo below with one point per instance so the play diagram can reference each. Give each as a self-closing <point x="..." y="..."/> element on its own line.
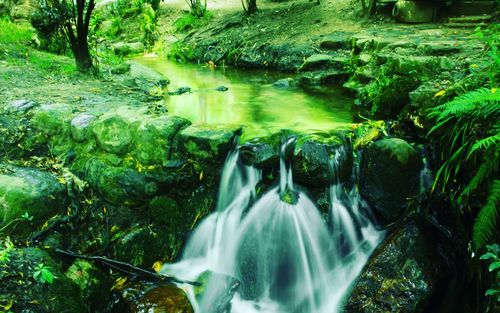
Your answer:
<point x="251" y="100"/>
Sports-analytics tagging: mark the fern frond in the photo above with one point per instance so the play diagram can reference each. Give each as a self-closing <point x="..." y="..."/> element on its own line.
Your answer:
<point x="471" y="102"/>
<point x="487" y="220"/>
<point x="484" y="172"/>
<point x="484" y="144"/>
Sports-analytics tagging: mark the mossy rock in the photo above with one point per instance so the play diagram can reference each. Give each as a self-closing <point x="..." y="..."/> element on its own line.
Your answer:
<point x="93" y="284"/>
<point x="113" y="134"/>
<point x="144" y="245"/>
<point x="204" y="142"/>
<point x="314" y="157"/>
<point x="31" y="191"/>
<point x="391" y="172"/>
<point x="29" y="295"/>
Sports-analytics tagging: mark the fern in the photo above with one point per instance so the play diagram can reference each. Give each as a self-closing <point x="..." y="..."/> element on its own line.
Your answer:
<point x="487" y="219"/>
<point x="485" y="143"/>
<point x="469" y="103"/>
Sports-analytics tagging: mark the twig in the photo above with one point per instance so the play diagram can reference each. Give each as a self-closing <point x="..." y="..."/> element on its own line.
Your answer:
<point x="127" y="268"/>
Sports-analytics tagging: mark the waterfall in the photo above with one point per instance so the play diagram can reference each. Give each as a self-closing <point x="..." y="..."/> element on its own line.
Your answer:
<point x="284" y="254"/>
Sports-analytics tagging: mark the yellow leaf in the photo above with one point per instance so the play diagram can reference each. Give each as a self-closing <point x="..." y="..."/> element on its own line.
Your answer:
<point x="474" y="66"/>
<point x="105" y="210"/>
<point x="8" y="305"/>
<point x="45" y="225"/>
<point x="439" y="93"/>
<point x="201" y="175"/>
<point x="62" y="180"/>
<point x="493" y="90"/>
<point x="157" y="266"/>
<point x="119" y="283"/>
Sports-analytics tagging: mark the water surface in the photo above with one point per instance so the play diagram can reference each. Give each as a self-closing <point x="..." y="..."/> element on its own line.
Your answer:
<point x="251" y="99"/>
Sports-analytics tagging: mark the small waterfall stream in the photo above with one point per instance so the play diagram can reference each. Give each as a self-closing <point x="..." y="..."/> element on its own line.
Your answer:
<point x="286" y="258"/>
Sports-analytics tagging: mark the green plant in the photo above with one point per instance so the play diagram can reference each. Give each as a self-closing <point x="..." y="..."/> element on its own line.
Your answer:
<point x="43" y="274"/>
<point x="181" y="52"/>
<point x="14" y="32"/>
<point x="471" y="124"/>
<point x="189" y="21"/>
<point x="493" y="255"/>
<point x="148" y="25"/>
<point x="5" y="252"/>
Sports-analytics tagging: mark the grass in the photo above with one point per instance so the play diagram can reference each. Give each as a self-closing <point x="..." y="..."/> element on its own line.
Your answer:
<point x="14" y="33"/>
<point x="188" y="21"/>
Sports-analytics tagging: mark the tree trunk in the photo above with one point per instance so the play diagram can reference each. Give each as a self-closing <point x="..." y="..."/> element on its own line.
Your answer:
<point x="82" y="58"/>
<point x="252" y="6"/>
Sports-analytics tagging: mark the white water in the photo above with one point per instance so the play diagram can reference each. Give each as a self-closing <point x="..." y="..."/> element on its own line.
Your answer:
<point x="286" y="257"/>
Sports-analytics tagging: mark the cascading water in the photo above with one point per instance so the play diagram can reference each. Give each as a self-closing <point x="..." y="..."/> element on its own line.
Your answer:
<point x="285" y="256"/>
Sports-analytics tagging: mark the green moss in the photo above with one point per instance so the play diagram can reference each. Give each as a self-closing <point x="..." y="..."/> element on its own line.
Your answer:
<point x="189" y="21"/>
<point x="14" y="32"/>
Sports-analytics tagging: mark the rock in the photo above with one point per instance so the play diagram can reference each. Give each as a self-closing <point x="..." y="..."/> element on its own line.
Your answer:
<point x="94" y="285"/>
<point x="216" y="291"/>
<point x="22" y="105"/>
<point x="391" y="169"/>
<point x="322" y="61"/>
<point x="153" y="139"/>
<point x="113" y="134"/>
<point x="22" y="9"/>
<point x="166" y="299"/>
<point x="143" y="245"/>
<point x="166" y="212"/>
<point x="414" y="11"/>
<point x="30" y="295"/>
<point x="368" y="136"/>
<point x="80" y="127"/>
<point x="423" y="96"/>
<point x="28" y="190"/>
<point x="260" y="153"/>
<point x="208" y="141"/>
<point x="222" y="88"/>
<point x="126" y="48"/>
<point x="145" y="77"/>
<point x="285" y="83"/>
<point x="179" y="91"/>
<point x="313" y="157"/>
<point x="121" y="68"/>
<point x="402" y="275"/>
<point x="337" y="41"/>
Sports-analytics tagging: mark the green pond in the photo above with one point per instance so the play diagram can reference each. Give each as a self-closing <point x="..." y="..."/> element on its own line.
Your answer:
<point x="251" y="99"/>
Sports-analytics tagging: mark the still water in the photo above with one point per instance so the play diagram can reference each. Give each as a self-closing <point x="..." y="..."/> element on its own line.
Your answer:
<point x="251" y="99"/>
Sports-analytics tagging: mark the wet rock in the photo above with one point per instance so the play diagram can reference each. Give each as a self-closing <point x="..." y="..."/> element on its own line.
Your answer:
<point x="313" y="155"/>
<point x="423" y="96"/>
<point x="285" y="83"/>
<point x="112" y="134"/>
<point x="126" y="48"/>
<point x="216" y="291"/>
<point x="27" y="190"/>
<point x="31" y="295"/>
<point x="143" y="245"/>
<point x="93" y="284"/>
<point x="369" y="135"/>
<point x="81" y="127"/>
<point x="208" y="141"/>
<point x="260" y="153"/>
<point x="401" y="276"/>
<point x="166" y="212"/>
<point x="179" y="91"/>
<point x="146" y="298"/>
<point x="391" y="169"/>
<point x="222" y="88"/>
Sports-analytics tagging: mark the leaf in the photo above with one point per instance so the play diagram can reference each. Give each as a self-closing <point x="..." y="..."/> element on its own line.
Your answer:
<point x="119" y="283"/>
<point x="488" y="256"/>
<point x="493" y="266"/>
<point x="439" y="93"/>
<point x="491" y="292"/>
<point x="47" y="276"/>
<point x="157" y="266"/>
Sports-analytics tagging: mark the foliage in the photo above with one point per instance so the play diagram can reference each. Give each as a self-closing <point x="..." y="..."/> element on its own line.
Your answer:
<point x="491" y="38"/>
<point x="14" y="32"/>
<point x="48" y="23"/>
<point x="189" y="21"/>
<point x="197" y="8"/>
<point x="148" y="25"/>
<point x="470" y="123"/>
<point x="181" y="52"/>
<point x="6" y="250"/>
<point x="493" y="255"/>
<point x="43" y="274"/>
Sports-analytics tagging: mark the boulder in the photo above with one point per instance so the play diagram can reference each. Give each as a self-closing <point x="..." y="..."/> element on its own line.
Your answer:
<point x="204" y="142"/>
<point x="22" y="105"/>
<point x="93" y="284"/>
<point x="391" y="169"/>
<point x="143" y="75"/>
<point x="285" y="83"/>
<point x="126" y="48"/>
<point x="337" y="41"/>
<point x="143" y="245"/>
<point x="33" y="295"/>
<point x="314" y="158"/>
<point x="29" y="191"/>
<point x="113" y="134"/>
<point x="322" y="61"/>
<point x="401" y="276"/>
<point x="81" y="127"/>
